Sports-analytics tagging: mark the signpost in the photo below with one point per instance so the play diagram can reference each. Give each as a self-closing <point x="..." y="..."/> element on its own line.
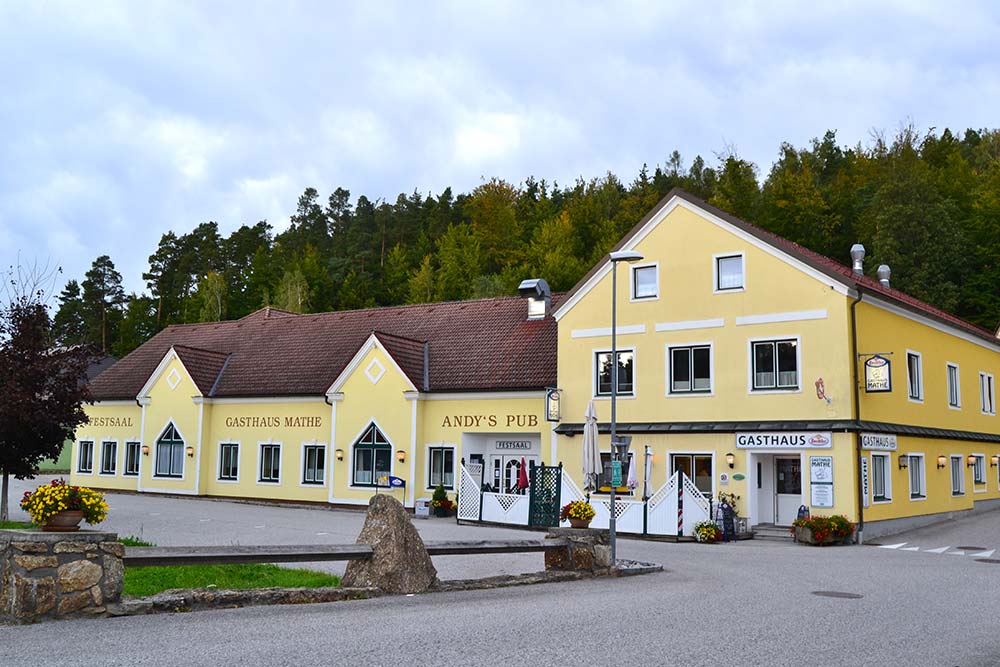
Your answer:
<point x="616" y="473"/>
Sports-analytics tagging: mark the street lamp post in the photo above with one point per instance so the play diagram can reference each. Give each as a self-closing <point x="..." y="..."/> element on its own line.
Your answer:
<point x="628" y="256"/>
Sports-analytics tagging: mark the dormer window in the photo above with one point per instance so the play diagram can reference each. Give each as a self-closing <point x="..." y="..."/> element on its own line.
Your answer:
<point x="645" y="282"/>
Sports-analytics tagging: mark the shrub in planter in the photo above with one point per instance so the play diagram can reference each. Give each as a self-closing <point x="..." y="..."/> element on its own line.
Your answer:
<point x="440" y="503"/>
<point x="57" y="496"/>
<point x="823" y="530"/>
<point x="577" y="510"/>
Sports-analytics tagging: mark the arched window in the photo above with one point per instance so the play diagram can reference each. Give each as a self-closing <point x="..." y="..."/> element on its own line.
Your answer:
<point x="372" y="457"/>
<point x="170" y="453"/>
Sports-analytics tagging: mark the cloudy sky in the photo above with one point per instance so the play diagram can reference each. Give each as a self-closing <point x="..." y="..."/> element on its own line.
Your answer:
<point x="121" y="121"/>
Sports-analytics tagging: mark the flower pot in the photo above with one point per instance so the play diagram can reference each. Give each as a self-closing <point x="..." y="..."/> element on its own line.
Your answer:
<point x="805" y="535"/>
<point x="579" y="523"/>
<point x="442" y="511"/>
<point x="66" y="521"/>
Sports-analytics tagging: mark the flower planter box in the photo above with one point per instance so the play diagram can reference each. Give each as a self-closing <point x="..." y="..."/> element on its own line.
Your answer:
<point x="805" y="536"/>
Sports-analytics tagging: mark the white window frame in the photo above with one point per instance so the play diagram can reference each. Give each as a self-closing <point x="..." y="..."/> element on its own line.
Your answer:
<point x="919" y="398"/>
<point x="798" y="364"/>
<point x="987" y="394"/>
<point x="957" y="405"/>
<point x="921" y="493"/>
<point x="977" y="479"/>
<point x="260" y="456"/>
<point x="353" y="446"/>
<point x="114" y="459"/>
<point x="239" y="451"/>
<point x="886" y="478"/>
<point x="79" y="457"/>
<point x="156" y="449"/>
<point x="593" y="373"/>
<point x="669" y="360"/>
<point x="302" y="464"/>
<point x="632" y="284"/>
<point x="715" y="272"/>
<point x="427" y="464"/>
<point x="951" y="470"/>
<point x="671" y="453"/>
<point x="138" y="458"/>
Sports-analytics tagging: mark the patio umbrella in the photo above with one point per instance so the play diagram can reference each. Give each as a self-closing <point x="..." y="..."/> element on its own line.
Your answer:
<point x="591" y="453"/>
<point x="522" y="476"/>
<point x="631" y="482"/>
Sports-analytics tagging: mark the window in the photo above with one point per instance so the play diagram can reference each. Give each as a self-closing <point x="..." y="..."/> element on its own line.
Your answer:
<point x="625" y="370"/>
<point x="914" y="376"/>
<point x="132" y="451"/>
<point x="986" y="396"/>
<point x="314" y="464"/>
<point x="109" y="457"/>
<point x="957" y="476"/>
<point x="776" y="364"/>
<point x="442" y="462"/>
<point x="979" y="469"/>
<point x="229" y="461"/>
<point x="85" y="460"/>
<point x="645" y="282"/>
<point x="698" y="468"/>
<point x="954" y="392"/>
<point x="881" y="478"/>
<point x="372" y="457"/>
<point x="604" y="480"/>
<point x="729" y="273"/>
<point x="170" y="453"/>
<point x="270" y="463"/>
<point x="690" y="369"/>
<point x="916" y="467"/>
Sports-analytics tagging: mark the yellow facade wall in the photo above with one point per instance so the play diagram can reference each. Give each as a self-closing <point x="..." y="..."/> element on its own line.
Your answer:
<point x="120" y="422"/>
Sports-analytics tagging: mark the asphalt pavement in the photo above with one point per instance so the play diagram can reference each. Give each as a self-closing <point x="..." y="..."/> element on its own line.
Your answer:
<point x="751" y="603"/>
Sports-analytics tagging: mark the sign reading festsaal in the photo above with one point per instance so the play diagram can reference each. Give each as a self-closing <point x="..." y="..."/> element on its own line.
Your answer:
<point x="784" y="440"/>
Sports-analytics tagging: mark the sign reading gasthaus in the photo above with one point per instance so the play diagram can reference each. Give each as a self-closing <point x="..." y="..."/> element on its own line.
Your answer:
<point x="885" y="441"/>
<point x="784" y="440"/>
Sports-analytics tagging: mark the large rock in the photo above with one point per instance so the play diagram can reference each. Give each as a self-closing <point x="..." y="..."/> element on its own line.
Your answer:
<point x="400" y="563"/>
<point x="78" y="575"/>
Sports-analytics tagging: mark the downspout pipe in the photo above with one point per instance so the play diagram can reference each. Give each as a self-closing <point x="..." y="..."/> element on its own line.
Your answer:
<point x="857" y="415"/>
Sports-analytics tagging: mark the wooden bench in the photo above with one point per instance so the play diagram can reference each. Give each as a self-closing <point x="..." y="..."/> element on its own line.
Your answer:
<point x="221" y="555"/>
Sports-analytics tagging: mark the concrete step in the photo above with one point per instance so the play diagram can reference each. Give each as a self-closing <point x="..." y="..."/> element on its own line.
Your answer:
<point x="767" y="532"/>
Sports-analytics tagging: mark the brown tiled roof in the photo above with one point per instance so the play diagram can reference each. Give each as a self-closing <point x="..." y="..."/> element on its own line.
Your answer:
<point x="204" y="366"/>
<point x="829" y="267"/>
<point x="479" y="345"/>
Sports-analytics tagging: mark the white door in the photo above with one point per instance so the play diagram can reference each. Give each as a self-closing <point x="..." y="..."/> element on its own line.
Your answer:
<point x="787" y="489"/>
<point x="764" y="472"/>
<point x="505" y="471"/>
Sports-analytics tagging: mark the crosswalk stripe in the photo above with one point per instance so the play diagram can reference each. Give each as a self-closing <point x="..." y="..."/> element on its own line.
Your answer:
<point x="983" y="554"/>
<point x="911" y="549"/>
<point x="892" y="546"/>
<point x="939" y="550"/>
<point x="956" y="553"/>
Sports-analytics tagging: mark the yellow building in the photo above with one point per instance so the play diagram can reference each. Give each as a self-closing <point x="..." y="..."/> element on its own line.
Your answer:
<point x="747" y="365"/>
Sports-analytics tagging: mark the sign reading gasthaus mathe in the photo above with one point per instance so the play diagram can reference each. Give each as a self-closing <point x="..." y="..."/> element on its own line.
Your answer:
<point x="878" y="377"/>
<point x="784" y="440"/>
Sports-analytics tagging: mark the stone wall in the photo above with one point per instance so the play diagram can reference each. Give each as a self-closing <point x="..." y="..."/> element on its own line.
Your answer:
<point x="588" y="550"/>
<point x="57" y="575"/>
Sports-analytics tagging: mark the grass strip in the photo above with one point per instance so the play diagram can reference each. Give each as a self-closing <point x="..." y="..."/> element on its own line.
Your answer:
<point x="144" y="581"/>
<point x="17" y="524"/>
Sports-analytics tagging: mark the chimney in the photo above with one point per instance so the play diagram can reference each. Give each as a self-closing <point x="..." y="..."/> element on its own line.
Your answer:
<point x="539" y="297"/>
<point x="883" y="275"/>
<point x="858" y="257"/>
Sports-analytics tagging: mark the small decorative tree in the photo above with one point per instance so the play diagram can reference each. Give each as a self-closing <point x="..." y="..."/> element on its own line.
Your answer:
<point x="440" y="502"/>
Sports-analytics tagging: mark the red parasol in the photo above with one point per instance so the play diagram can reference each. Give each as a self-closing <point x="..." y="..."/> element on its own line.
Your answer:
<point x="522" y="476"/>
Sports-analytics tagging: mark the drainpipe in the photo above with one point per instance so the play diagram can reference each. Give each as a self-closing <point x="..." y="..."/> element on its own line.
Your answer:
<point x="857" y="416"/>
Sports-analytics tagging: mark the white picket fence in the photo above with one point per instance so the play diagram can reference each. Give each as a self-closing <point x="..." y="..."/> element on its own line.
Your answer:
<point x="660" y="510"/>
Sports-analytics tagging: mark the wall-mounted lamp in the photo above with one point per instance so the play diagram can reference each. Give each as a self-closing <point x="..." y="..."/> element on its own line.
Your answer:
<point x="942" y="460"/>
<point x="145" y="450"/>
<point x="904" y="461"/>
<point x="190" y="452"/>
<point x="731" y="459"/>
<point x="970" y="461"/>
<point x="339" y="454"/>
<point x="400" y="455"/>
<point x="994" y="460"/>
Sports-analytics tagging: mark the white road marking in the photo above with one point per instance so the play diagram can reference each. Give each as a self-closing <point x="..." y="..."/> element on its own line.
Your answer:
<point x="983" y="554"/>
<point x="940" y="550"/>
<point x="892" y="546"/>
<point x="260" y="526"/>
<point x="204" y="520"/>
<point x="956" y="553"/>
<point x="911" y="549"/>
<point x="322" y="533"/>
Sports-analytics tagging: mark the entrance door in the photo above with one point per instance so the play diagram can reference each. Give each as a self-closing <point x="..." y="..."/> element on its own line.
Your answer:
<point x="787" y="489"/>
<point x="505" y="471"/>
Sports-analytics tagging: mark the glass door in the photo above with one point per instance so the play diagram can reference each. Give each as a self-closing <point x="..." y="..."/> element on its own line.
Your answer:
<point x="787" y="489"/>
